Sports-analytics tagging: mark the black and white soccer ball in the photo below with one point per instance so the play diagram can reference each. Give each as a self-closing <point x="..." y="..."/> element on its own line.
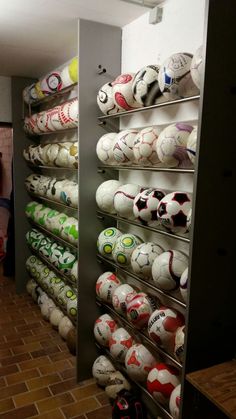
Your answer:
<point x="143" y="257"/>
<point x="173" y="211"/>
<point x="145" y="206"/>
<point x="105" y="100"/>
<point x="145" y="85"/>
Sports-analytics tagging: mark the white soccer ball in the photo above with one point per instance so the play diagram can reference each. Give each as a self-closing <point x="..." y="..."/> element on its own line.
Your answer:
<point x="119" y="344"/>
<point x="115" y="384"/>
<point x="175" y="401"/>
<point x="139" y="309"/>
<point x="102" y="369"/>
<point x="71" y="307"/>
<point x="106" y="285"/>
<point x="123" y="248"/>
<point x="167" y="269"/>
<point x="105" y="100"/>
<point x="104" y="326"/>
<point x="192" y="145"/>
<point x="138" y="362"/>
<point x="124" y="199"/>
<point x="145" y="85"/>
<point x="122" y="92"/>
<point x="105" y="195"/>
<point x="65" y="326"/>
<point x="52" y="153"/>
<point x="123" y="146"/>
<point x="175" y="79"/>
<point x="197" y="67"/>
<point x="162" y="326"/>
<point x="106" y="239"/>
<point x="184" y="285"/>
<point x="46" y="308"/>
<point x="161" y="381"/>
<point x="31" y="285"/>
<point x="171" y="146"/>
<point x="173" y="210"/>
<point x="121" y="296"/>
<point x="74" y="272"/>
<point x="145" y="206"/>
<point x="144" y="147"/>
<point x="143" y="257"/>
<point x="179" y="343"/>
<point x="55" y="317"/>
<point x="189" y="220"/>
<point x="104" y="148"/>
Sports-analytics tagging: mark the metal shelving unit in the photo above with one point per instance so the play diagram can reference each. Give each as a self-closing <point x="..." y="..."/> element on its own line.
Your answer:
<point x="103" y="167"/>
<point x="43" y="198"/>
<point x="53" y="96"/>
<point x="61" y="131"/>
<point x="41" y="167"/>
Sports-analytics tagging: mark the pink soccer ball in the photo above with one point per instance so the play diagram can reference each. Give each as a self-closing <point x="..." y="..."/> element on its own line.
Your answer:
<point x="104" y="326"/>
<point x="161" y="381"/>
<point x="122" y="92"/>
<point x="106" y="285"/>
<point x="139" y="309"/>
<point x="121" y="297"/>
<point x="174" y="403"/>
<point x="138" y="362"/>
<point x="119" y="343"/>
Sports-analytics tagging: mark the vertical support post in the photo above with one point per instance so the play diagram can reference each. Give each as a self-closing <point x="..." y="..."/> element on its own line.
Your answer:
<point x="99" y="44"/>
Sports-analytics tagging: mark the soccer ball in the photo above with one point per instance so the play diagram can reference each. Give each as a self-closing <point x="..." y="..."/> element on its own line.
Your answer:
<point x="184" y="285"/>
<point x="139" y="309"/>
<point x="162" y="326"/>
<point x="174" y="403"/>
<point x="102" y="369"/>
<point x="124" y="199"/>
<point x="106" y="285"/>
<point x="192" y="145"/>
<point x="143" y="257"/>
<point x="138" y="362"/>
<point x="145" y="206"/>
<point x="189" y="220"/>
<point x="55" y="317"/>
<point x="104" y="148"/>
<point x="179" y="343"/>
<point x="173" y="210"/>
<point x="123" y="248"/>
<point x="71" y="307"/>
<point x="65" y="295"/>
<point x="68" y="229"/>
<point x="65" y="325"/>
<point x="123" y="146"/>
<point x="103" y="328"/>
<point x="167" y="269"/>
<point x="106" y="239"/>
<point x="175" y="79"/>
<point x="197" y="67"/>
<point x="122" y="92"/>
<point x="145" y="85"/>
<point x="105" y="195"/>
<point x="121" y="297"/>
<point x="144" y="147"/>
<point x="31" y="284"/>
<point x="74" y="272"/>
<point x="46" y="308"/>
<point x="105" y="100"/>
<point x="71" y="339"/>
<point x="161" y="381"/>
<point x="171" y="146"/>
<point x="116" y="383"/>
<point x="119" y="343"/>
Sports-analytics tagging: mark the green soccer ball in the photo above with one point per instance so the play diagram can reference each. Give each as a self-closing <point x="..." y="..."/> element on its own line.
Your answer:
<point x="106" y="240"/>
<point x="124" y="247"/>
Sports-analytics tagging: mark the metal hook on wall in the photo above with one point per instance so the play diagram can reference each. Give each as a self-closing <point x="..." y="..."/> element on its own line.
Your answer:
<point x="101" y="69"/>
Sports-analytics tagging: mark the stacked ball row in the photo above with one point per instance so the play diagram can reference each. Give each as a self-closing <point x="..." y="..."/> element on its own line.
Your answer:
<point x="57" y="255"/>
<point x="54" y="221"/>
<point x="174" y="146"/>
<point x="150" y="206"/>
<point x="162" y="380"/>
<point x="167" y="269"/>
<point x="54" y="287"/>
<point x="59" y="118"/>
<point x="56" y="154"/>
<point x="143" y="312"/>
<point x="51" y="312"/>
<point x="60" y="190"/>
<point x="178" y="77"/>
<point x="53" y="82"/>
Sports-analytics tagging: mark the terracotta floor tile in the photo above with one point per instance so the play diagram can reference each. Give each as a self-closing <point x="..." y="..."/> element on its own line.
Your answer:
<point x="11" y="344"/>
<point x="15" y="359"/>
<point x="22" y="376"/>
<point x="2" y="382"/>
<point x="53" y="414"/>
<point x="14" y="335"/>
<point x="70" y="373"/>
<point x="31" y="396"/>
<point x="103" y="399"/>
<point x="6" y="404"/>
<point x="35" y="363"/>
<point x="55" y="402"/>
<point x="45" y="351"/>
<point x="50" y="342"/>
<point x="5" y="352"/>
<point x="32" y="326"/>
<point x="44" y="381"/>
<point x="32" y="338"/>
<point x="64" y="386"/>
<point x="102" y="413"/>
<point x="12" y="390"/>
<point x="13" y="323"/>
<point x="83" y="392"/>
<point x="53" y="367"/>
<point x="34" y="346"/>
<point x="83" y="406"/>
<point x="20" y="413"/>
<point x="8" y="370"/>
<point x="60" y="355"/>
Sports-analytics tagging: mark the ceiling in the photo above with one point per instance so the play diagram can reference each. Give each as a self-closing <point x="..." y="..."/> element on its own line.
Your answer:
<point x="38" y="35"/>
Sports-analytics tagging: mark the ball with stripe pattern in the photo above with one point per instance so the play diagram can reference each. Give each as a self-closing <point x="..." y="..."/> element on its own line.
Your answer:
<point x="167" y="269"/>
<point x="124" y="199"/>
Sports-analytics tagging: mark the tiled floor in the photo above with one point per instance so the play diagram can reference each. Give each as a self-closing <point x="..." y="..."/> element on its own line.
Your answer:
<point x="37" y="373"/>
